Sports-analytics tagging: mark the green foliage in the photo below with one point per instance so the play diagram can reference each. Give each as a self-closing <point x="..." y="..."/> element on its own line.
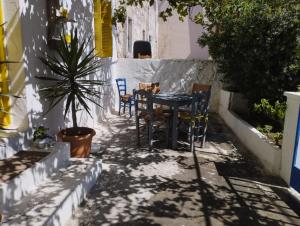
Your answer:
<point x="40" y="133"/>
<point x="268" y="131"/>
<point x="265" y="129"/>
<point x="274" y="113"/>
<point x="71" y="65"/>
<point x="119" y="15"/>
<point x="270" y="119"/>
<point x="254" y="42"/>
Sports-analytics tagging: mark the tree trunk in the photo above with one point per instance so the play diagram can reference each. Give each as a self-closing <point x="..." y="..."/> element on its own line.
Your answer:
<point x="74" y="119"/>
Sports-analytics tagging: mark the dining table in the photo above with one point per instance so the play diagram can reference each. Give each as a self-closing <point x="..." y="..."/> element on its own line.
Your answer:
<point x="173" y="101"/>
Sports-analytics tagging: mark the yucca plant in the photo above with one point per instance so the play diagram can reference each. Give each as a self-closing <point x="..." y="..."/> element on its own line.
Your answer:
<point x="70" y="81"/>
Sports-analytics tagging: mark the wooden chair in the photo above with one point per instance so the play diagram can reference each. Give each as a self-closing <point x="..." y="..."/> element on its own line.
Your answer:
<point x="153" y="87"/>
<point x="196" y="116"/>
<point x="197" y="87"/>
<point x="144" y="110"/>
<point x="124" y="98"/>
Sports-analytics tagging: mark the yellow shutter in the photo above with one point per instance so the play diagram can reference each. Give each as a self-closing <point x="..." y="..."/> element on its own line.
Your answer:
<point x="97" y="26"/>
<point x="4" y="88"/>
<point x="103" y="28"/>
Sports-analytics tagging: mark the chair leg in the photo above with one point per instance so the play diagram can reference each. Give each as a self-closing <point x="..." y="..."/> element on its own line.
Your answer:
<point x="204" y="136"/>
<point x="168" y="132"/>
<point x="120" y="107"/>
<point x="150" y="135"/>
<point x="198" y="132"/>
<point x="192" y="137"/>
<point x="137" y="123"/>
<point x="130" y="114"/>
<point x="124" y="106"/>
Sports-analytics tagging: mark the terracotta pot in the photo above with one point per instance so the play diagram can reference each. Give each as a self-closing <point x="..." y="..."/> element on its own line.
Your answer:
<point x="80" y="139"/>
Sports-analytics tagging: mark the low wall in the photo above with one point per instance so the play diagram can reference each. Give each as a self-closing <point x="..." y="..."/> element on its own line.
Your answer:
<point x="173" y="75"/>
<point x="289" y="134"/>
<point x="257" y="143"/>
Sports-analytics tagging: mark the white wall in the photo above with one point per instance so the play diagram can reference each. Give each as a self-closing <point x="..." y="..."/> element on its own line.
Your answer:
<point x="145" y="18"/>
<point x="32" y="16"/>
<point x="169" y="73"/>
<point x="257" y="143"/>
<point x="289" y="134"/>
<point x="178" y="40"/>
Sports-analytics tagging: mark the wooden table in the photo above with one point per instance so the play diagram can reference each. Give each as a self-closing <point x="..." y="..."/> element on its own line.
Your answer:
<point x="174" y="101"/>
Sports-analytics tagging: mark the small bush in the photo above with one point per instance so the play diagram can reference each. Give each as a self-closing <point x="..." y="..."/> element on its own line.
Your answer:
<point x="266" y="113"/>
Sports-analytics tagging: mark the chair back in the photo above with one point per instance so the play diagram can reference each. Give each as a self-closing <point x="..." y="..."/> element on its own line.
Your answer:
<point x="121" y="83"/>
<point x="200" y="103"/>
<point x="143" y="102"/>
<point x="197" y="87"/>
<point x="153" y="87"/>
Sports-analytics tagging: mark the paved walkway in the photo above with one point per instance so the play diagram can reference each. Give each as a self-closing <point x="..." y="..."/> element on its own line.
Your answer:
<point x="218" y="185"/>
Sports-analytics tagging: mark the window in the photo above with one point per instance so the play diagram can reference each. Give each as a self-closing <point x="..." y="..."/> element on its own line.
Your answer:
<point x="129" y="35"/>
<point x="142" y="49"/>
<point x="5" y="118"/>
<point x="103" y="28"/>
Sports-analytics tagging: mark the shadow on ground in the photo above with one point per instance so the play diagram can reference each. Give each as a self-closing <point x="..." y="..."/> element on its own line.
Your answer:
<point x="220" y="184"/>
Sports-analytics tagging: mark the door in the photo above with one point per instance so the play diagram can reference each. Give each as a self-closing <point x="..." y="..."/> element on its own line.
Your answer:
<point x="295" y="177"/>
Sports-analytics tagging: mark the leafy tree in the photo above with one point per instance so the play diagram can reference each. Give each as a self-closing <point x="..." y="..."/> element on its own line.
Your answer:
<point x="254" y="42"/>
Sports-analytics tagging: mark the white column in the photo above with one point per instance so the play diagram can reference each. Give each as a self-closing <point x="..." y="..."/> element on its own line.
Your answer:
<point x="289" y="134"/>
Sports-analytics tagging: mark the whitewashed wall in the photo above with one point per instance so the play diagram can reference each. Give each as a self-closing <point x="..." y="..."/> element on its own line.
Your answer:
<point x="143" y="19"/>
<point x="178" y="40"/>
<point x="173" y="75"/>
<point x="31" y="18"/>
<point x="290" y="134"/>
<point x="266" y="152"/>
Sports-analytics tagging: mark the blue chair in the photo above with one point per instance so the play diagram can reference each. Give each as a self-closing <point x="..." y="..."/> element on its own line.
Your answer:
<point x="153" y="118"/>
<point x="197" y="116"/>
<point x="124" y="98"/>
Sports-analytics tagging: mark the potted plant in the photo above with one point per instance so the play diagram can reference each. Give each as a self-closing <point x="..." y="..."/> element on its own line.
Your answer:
<point x="40" y="137"/>
<point x="71" y="66"/>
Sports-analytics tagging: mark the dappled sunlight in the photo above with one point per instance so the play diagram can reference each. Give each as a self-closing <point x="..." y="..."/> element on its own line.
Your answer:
<point x="218" y="185"/>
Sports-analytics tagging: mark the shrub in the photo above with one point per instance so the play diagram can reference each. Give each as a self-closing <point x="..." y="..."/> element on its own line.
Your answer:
<point x="255" y="45"/>
<point x="273" y="114"/>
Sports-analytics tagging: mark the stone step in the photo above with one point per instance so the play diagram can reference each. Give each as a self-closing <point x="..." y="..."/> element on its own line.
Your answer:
<point x="56" y="200"/>
<point x="25" y="175"/>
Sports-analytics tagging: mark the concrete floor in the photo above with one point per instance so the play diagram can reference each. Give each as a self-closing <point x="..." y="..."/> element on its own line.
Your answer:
<point x="218" y="185"/>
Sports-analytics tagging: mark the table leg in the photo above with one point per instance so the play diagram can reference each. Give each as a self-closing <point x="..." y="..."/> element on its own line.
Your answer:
<point x="174" y="127"/>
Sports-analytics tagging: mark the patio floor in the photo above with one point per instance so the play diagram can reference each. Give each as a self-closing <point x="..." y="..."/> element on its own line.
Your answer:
<point x="218" y="185"/>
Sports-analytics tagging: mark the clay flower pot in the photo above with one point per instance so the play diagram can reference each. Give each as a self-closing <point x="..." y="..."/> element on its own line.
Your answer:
<point x="80" y="139"/>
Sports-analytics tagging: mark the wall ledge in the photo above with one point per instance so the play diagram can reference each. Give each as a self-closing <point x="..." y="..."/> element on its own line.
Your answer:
<point x="295" y="96"/>
<point x="268" y="154"/>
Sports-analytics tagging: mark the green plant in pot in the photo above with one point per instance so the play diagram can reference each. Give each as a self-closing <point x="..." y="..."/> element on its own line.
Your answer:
<point x="40" y="137"/>
<point x="72" y="65"/>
